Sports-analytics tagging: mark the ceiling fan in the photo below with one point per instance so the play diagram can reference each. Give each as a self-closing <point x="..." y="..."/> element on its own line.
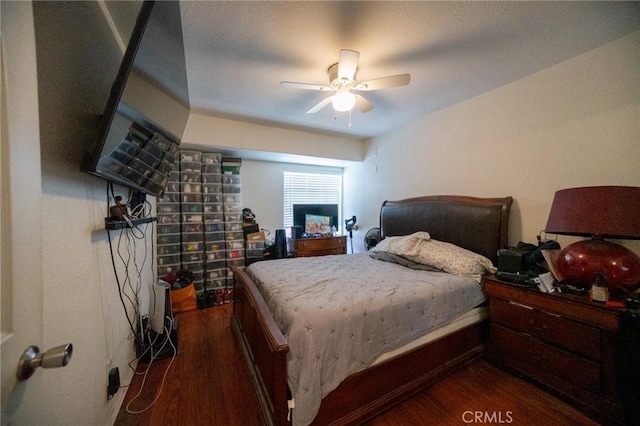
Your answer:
<point x="342" y="80"/>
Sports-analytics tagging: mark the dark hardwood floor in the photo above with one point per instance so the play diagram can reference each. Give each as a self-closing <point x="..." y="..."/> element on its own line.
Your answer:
<point x="208" y="384"/>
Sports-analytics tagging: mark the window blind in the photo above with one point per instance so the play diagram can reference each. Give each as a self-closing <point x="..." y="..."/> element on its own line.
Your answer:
<point x="311" y="188"/>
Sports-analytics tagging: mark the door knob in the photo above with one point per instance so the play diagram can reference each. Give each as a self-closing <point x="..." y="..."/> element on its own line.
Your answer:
<point x="53" y="358"/>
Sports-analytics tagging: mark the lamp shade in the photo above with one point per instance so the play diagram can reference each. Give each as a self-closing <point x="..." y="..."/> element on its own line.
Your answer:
<point x="604" y="211"/>
<point x="343" y="100"/>
<point x="598" y="212"/>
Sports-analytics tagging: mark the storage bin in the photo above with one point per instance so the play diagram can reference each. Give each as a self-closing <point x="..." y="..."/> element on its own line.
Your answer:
<point x="192" y="198"/>
<point x="212" y="198"/>
<point x="164" y="270"/>
<point x="233" y="217"/>
<point x="169" y="239"/>
<point x="168" y="207"/>
<point x="254" y="254"/>
<point x="214" y="227"/>
<point x="163" y="228"/>
<point x="213" y="208"/>
<point x="190" y="156"/>
<point x="194" y="267"/>
<point x="231" y="189"/>
<point x="192" y="246"/>
<point x="211" y="178"/>
<point x="192" y="237"/>
<point x="230" y="179"/>
<point x="214" y="236"/>
<point x="190" y="257"/>
<point x="192" y="217"/>
<point x="169" y="197"/>
<point x="191" y="187"/>
<point x="188" y="166"/>
<point x="234" y="245"/>
<point x="192" y="207"/>
<point x="168" y="218"/>
<point x="211" y="188"/>
<point x="190" y="177"/>
<point x="233" y="235"/>
<point x="213" y="217"/>
<point x="191" y="227"/>
<point x="235" y="254"/>
<point x="232" y="208"/>
<point x="216" y="265"/>
<point x="211" y="168"/>
<point x="215" y="255"/>
<point x="211" y="158"/>
<point x="173" y="259"/>
<point x="168" y="249"/>
<point x="233" y="226"/>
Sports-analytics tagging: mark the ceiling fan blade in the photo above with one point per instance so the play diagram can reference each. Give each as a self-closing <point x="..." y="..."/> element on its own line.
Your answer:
<point x="348" y="64"/>
<point x="362" y="104"/>
<point x="305" y="86"/>
<point x="384" y="82"/>
<point x="319" y="106"/>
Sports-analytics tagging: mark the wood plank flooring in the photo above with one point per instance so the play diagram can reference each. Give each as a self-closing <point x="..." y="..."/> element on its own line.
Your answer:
<point x="208" y="384"/>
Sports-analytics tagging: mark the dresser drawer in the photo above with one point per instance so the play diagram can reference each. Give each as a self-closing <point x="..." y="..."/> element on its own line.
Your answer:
<point x="522" y="351"/>
<point x="321" y="243"/>
<point x="571" y="335"/>
<point x="324" y="252"/>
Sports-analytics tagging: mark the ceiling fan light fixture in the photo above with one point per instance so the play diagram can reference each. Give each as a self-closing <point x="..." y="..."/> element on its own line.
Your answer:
<point x="344" y="100"/>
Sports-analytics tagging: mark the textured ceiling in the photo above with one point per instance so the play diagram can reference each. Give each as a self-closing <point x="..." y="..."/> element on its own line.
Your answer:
<point x="237" y="53"/>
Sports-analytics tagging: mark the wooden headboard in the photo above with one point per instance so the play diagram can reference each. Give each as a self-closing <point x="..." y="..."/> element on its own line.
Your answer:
<point x="477" y="224"/>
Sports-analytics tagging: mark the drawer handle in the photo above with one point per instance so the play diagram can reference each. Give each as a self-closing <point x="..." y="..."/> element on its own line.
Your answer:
<point x="536" y="327"/>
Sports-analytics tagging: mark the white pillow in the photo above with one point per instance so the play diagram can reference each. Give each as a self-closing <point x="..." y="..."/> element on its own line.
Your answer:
<point x="420" y="248"/>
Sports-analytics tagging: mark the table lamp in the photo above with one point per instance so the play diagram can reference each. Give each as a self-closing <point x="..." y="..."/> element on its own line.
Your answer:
<point x="598" y="212"/>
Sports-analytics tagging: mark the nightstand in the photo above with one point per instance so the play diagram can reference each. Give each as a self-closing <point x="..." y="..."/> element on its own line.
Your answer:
<point x="564" y="342"/>
<point x="305" y="247"/>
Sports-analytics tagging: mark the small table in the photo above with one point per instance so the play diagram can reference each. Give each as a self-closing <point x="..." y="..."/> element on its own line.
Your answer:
<point x="565" y="342"/>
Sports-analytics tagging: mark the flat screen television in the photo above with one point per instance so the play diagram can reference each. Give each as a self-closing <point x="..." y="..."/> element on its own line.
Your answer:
<point x="148" y="106"/>
<point x="316" y="218"/>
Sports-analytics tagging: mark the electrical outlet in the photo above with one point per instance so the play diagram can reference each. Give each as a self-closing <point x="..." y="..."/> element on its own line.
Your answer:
<point x="113" y="382"/>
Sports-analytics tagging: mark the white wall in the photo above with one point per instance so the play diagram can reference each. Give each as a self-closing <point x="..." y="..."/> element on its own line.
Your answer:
<point x="263" y="191"/>
<point x="77" y="61"/>
<point x="574" y="124"/>
<point x="206" y="133"/>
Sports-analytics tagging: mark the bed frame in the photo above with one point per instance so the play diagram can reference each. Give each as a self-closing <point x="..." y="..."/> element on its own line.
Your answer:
<point x="477" y="224"/>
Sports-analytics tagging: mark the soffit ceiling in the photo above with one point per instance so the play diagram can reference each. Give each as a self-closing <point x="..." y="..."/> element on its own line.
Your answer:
<point x="237" y="52"/>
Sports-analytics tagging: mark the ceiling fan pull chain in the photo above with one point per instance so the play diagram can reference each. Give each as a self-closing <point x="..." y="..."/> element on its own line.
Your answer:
<point x="349" y="118"/>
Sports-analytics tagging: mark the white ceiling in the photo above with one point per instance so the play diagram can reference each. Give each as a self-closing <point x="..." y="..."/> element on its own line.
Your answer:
<point x="237" y="52"/>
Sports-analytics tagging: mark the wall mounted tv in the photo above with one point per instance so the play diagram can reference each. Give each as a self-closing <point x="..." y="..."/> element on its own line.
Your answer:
<point x="148" y="106"/>
<point x="316" y="218"/>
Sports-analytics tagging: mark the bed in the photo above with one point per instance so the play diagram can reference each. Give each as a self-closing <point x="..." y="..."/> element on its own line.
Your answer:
<point x="392" y="372"/>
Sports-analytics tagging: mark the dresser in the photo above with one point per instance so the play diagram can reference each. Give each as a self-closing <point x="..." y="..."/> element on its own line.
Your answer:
<point x="305" y="247"/>
<point x="564" y="342"/>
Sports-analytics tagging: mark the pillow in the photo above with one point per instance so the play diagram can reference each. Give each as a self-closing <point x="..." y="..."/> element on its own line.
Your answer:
<point x="445" y="256"/>
<point x="394" y="258"/>
<point x="405" y="245"/>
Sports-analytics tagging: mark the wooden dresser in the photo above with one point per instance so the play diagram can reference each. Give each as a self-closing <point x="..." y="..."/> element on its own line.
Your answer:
<point x="562" y="341"/>
<point x="305" y="247"/>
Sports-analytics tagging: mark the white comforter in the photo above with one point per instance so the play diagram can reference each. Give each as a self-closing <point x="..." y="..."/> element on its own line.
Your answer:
<point x="340" y="313"/>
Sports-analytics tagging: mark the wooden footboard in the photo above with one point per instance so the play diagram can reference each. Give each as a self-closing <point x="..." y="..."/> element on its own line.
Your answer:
<point x="361" y="396"/>
<point x="264" y="348"/>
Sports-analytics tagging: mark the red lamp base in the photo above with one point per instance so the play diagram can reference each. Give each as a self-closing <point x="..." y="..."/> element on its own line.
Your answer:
<point x="580" y="264"/>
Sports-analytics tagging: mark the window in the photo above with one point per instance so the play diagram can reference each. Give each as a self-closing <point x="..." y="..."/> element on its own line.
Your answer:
<point x="316" y="187"/>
